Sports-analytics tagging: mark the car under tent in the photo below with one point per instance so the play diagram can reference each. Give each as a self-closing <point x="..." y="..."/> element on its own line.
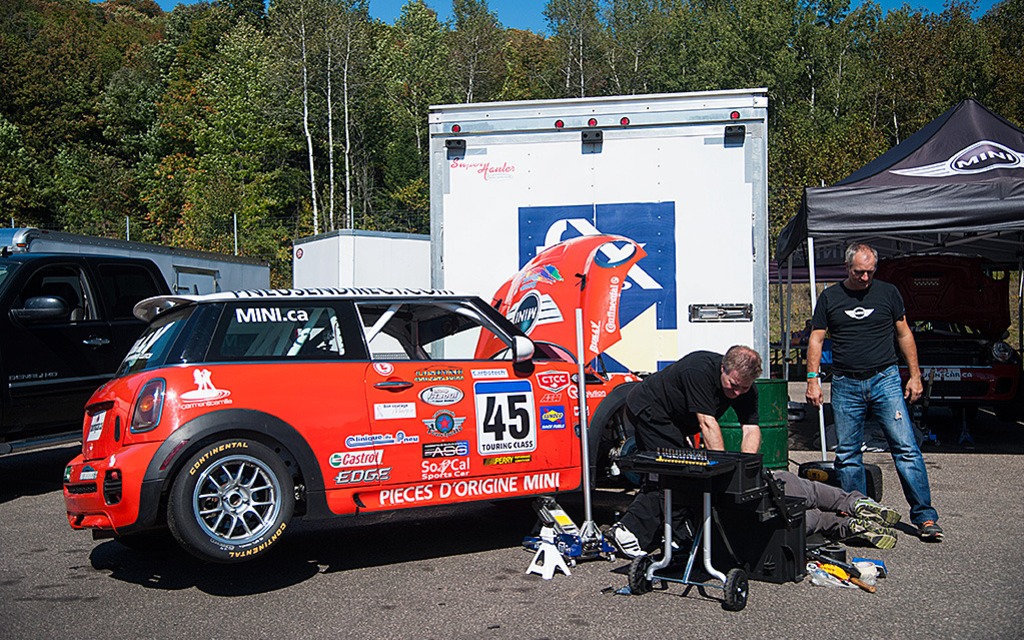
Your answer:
<point x="956" y="185"/>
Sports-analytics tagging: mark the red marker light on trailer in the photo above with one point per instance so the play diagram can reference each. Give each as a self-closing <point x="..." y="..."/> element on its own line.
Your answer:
<point x="456" y="128"/>
<point x="559" y="124"/>
<point x="624" y="121"/>
<point x="592" y="122"/>
<point x="735" y="115"/>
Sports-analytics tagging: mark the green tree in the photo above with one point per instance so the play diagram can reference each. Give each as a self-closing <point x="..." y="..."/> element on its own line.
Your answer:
<point x="476" y="45"/>
<point x="576" y="30"/>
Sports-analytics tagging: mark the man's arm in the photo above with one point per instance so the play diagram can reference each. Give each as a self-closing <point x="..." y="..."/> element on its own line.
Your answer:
<point x="710" y="432"/>
<point x="905" y="339"/>
<point x="814" y="344"/>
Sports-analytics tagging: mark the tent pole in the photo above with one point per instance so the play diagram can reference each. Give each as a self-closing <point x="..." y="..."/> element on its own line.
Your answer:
<point x="788" y="322"/>
<point x="814" y="303"/>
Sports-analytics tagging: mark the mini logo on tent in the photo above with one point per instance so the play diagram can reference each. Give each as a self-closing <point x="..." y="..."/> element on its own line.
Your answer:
<point x="977" y="158"/>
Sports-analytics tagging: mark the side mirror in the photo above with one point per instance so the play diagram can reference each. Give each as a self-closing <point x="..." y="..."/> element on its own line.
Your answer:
<point x="42" y="309"/>
<point x="522" y="349"/>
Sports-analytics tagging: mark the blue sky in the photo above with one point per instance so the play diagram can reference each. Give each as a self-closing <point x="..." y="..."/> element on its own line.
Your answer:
<point x="529" y="14"/>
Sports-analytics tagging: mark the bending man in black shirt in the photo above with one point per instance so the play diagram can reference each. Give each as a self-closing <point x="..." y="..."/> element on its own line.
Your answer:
<point x="686" y="398"/>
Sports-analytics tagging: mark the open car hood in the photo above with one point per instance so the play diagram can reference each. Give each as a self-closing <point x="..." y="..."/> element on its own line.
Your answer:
<point x="950" y="288"/>
<point x="587" y="272"/>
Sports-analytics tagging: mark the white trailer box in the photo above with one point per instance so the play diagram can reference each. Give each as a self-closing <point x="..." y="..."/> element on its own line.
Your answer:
<point x="349" y="258"/>
<point x="186" y="271"/>
<point x="685" y="175"/>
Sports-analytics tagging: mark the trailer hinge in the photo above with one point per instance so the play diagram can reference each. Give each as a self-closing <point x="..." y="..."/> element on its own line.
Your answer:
<point x="722" y="312"/>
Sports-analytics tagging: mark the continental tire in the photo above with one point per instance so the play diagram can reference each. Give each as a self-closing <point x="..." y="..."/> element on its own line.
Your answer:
<point x="231" y="502"/>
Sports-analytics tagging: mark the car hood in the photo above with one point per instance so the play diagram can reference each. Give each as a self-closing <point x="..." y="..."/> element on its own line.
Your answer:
<point x="586" y="273"/>
<point x="950" y="288"/>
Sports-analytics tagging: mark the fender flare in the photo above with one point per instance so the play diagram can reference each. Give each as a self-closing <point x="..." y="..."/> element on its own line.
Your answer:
<point x="183" y="441"/>
<point x="602" y="420"/>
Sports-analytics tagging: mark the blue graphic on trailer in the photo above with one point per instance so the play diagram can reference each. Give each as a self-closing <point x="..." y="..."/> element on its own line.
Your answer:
<point x="652" y="281"/>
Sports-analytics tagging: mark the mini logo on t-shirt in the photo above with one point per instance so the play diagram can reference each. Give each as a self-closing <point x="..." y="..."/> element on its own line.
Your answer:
<point x="859" y="313"/>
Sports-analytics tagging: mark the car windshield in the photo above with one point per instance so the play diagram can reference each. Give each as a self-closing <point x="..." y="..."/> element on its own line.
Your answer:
<point x="152" y="346"/>
<point x="937" y="329"/>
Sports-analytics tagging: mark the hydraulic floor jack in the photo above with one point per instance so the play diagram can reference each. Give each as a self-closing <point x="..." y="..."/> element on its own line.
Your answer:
<point x="573" y="543"/>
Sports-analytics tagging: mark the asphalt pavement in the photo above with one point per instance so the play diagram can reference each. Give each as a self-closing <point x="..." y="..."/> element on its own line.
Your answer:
<point x="461" y="572"/>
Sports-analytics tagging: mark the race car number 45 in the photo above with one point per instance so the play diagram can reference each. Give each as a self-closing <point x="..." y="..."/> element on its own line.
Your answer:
<point x="506" y="419"/>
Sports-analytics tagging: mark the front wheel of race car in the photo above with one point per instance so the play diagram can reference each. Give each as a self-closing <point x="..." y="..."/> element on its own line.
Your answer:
<point x="231" y="502"/>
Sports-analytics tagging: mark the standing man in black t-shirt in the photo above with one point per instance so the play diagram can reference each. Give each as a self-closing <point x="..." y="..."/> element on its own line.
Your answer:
<point x="684" y="399"/>
<point x="867" y="320"/>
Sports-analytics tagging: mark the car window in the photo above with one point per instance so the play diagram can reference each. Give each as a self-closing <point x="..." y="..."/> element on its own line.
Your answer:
<point x="62" y="281"/>
<point x="425" y="330"/>
<point x="6" y="270"/>
<point x="123" y="285"/>
<point x="151" y="349"/>
<point x="309" y="331"/>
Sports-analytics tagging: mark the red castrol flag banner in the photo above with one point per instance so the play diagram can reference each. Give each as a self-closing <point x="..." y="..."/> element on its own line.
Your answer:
<point x="588" y="272"/>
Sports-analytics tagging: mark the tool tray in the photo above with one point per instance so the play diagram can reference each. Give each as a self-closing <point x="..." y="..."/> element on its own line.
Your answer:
<point x="734" y="474"/>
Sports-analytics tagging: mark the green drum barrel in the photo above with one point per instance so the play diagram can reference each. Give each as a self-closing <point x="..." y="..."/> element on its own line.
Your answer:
<point x="772" y="412"/>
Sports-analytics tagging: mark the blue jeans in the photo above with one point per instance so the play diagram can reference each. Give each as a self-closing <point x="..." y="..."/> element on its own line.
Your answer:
<point x="882" y="396"/>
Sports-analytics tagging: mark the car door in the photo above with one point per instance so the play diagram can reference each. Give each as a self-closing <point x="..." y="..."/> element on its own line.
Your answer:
<point x="53" y="365"/>
<point x="446" y="420"/>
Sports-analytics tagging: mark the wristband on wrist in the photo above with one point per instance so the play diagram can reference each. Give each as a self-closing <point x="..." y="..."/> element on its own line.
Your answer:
<point x="813" y="374"/>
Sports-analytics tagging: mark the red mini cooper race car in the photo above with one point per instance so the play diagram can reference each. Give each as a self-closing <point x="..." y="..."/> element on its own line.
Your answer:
<point x="236" y="412"/>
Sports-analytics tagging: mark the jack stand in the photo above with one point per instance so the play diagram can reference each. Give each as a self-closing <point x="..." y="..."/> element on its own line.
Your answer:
<point x="573" y="542"/>
<point x="548" y="558"/>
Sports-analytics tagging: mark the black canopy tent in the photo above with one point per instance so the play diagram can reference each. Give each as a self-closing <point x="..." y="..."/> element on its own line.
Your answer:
<point x="957" y="185"/>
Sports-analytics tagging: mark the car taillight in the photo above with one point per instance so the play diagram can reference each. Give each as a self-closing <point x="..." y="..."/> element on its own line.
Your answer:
<point x="1002" y="352"/>
<point x="148" y="407"/>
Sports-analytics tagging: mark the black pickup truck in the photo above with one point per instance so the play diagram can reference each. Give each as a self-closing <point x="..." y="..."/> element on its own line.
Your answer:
<point x="65" y="324"/>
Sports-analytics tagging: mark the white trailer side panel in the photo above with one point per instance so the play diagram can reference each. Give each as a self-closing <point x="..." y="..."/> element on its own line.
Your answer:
<point x="669" y="179"/>
<point x="348" y="258"/>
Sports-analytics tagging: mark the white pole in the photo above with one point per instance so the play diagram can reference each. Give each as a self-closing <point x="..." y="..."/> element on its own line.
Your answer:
<point x="581" y="386"/>
<point x="814" y="303"/>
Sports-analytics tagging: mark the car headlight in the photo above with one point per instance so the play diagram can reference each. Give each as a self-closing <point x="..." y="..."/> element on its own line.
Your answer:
<point x="1002" y="352"/>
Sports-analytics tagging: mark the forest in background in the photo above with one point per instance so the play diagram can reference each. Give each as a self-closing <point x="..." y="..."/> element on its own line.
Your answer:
<point x="305" y="116"/>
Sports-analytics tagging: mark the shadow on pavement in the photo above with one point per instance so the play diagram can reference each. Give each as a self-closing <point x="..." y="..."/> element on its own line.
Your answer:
<point x="35" y="473"/>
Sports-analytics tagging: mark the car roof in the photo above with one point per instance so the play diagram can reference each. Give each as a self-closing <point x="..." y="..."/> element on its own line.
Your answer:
<point x="151" y="307"/>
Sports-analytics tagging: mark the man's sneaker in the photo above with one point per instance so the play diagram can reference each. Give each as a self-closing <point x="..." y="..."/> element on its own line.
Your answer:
<point x="869" y="531"/>
<point x="625" y="541"/>
<point x="930" y="531"/>
<point x="868" y="509"/>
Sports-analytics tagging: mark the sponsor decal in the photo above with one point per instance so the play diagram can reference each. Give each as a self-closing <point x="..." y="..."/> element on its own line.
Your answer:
<point x="553" y="381"/>
<point x="441" y="396"/>
<point x="574" y="393"/>
<point x="18" y="377"/>
<point x="96" y="426"/>
<point x="362" y="441"/>
<point x="488" y="374"/>
<point x="552" y="418"/>
<point x="439" y="375"/>
<point x="532" y="483"/>
<point x="551" y="398"/>
<point x="446" y="468"/>
<point x="444" y="424"/>
<point x="508" y="459"/>
<point x="446" y="449"/>
<point x="979" y="157"/>
<point x="270" y="314"/>
<point x="505" y="420"/>
<point x="205" y="394"/>
<point x="532" y="310"/>
<point x="859" y="313"/>
<point x="384" y="368"/>
<point x="544" y="274"/>
<point x="313" y="292"/>
<point x="394" y="410"/>
<point x="486" y="170"/>
<point x="88" y="473"/>
<point x="362" y="476"/>
<point x="346" y="459"/>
